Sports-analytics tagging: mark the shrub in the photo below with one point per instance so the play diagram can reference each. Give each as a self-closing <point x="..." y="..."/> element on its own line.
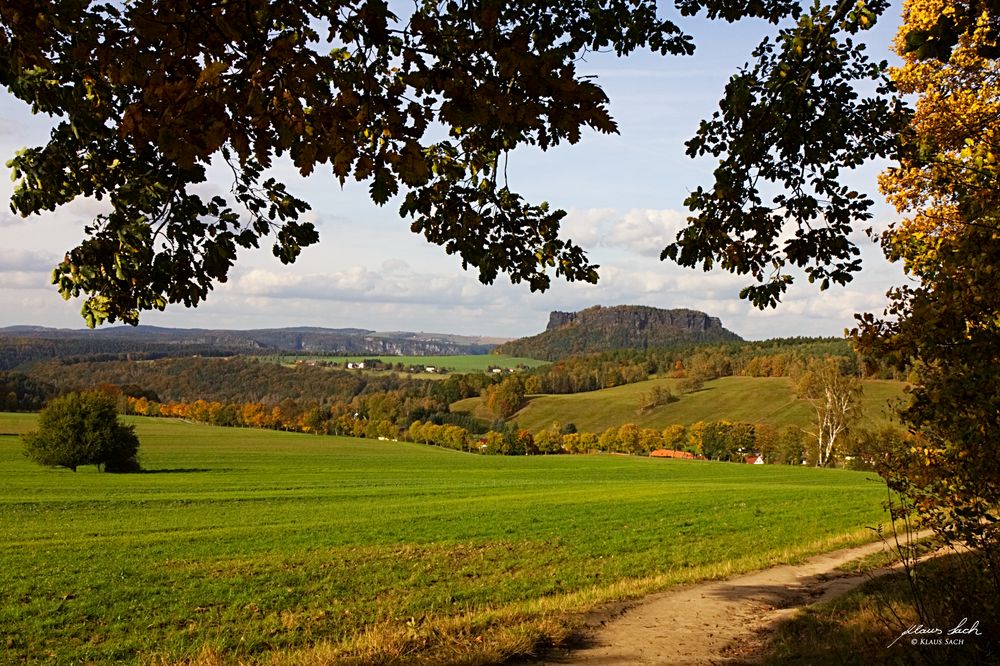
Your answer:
<point x="83" y="429"/>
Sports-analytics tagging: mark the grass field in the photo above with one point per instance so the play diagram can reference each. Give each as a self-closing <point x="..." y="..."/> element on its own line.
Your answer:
<point x="259" y="547"/>
<point x="750" y="399"/>
<point x="461" y="364"/>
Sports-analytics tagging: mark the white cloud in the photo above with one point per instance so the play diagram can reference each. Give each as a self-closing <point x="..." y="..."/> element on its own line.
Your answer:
<point x="357" y="284"/>
<point x="585" y="227"/>
<point x="8" y="219"/>
<point x="641" y="231"/>
<point x="23" y="280"/>
<point x="15" y="259"/>
<point x="646" y="231"/>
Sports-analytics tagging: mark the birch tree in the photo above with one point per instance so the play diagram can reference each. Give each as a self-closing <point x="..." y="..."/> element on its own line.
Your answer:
<point x="836" y="401"/>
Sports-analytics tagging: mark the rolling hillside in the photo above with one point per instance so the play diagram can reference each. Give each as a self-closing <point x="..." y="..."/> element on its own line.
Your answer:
<point x="750" y="399"/>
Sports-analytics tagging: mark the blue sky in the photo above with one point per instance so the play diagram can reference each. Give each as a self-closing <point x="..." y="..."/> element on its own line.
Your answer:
<point x="623" y="193"/>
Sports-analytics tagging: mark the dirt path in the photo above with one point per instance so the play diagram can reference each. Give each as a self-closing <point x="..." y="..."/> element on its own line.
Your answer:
<point x="717" y="622"/>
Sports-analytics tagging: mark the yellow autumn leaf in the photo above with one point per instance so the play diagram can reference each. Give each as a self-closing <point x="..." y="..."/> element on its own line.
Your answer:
<point x="211" y="73"/>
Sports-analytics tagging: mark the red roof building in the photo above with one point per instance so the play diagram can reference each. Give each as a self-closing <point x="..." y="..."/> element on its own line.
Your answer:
<point x="670" y="453"/>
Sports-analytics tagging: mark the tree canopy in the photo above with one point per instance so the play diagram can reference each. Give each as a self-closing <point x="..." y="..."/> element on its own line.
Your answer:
<point x="424" y="105"/>
<point x="945" y="324"/>
<point x="83" y="429"/>
<point x="789" y="127"/>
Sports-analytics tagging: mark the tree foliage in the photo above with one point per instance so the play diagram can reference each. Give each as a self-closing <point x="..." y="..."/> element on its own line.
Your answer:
<point x="82" y="429"/>
<point x="945" y="324"/>
<point x="148" y="93"/>
<point x="786" y="130"/>
<point x="424" y="106"/>
<point x="505" y="398"/>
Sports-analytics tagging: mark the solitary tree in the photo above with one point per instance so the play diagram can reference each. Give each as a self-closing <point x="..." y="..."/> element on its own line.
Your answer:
<point x="836" y="401"/>
<point x="82" y="429"/>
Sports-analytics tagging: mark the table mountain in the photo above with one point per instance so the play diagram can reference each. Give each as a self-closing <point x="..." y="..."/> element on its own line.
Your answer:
<point x="600" y="328"/>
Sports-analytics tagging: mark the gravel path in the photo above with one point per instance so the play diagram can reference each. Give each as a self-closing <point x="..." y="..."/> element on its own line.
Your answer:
<point x="717" y="622"/>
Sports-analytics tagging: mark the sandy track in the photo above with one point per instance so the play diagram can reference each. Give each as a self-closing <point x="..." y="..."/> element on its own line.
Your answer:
<point x="716" y="622"/>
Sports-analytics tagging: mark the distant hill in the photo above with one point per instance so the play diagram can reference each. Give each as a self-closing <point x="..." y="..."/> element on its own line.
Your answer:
<point x="600" y="329"/>
<point x="23" y="344"/>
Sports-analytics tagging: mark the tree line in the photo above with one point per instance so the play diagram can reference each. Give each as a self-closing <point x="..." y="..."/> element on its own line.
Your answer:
<point x="769" y="358"/>
<point x="238" y="379"/>
<point x="21" y="393"/>
<point x="379" y="417"/>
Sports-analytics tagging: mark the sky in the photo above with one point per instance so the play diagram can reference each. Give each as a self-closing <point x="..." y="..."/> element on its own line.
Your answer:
<point x="623" y="193"/>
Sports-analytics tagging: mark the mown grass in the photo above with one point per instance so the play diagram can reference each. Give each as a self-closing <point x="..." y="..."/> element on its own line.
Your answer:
<point x="749" y="399"/>
<point x="260" y="546"/>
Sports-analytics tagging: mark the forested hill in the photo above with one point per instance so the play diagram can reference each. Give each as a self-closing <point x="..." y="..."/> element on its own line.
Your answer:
<point x="599" y="329"/>
<point x="20" y="345"/>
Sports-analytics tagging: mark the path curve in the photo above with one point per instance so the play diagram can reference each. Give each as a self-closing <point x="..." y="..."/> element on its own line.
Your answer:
<point x="715" y="622"/>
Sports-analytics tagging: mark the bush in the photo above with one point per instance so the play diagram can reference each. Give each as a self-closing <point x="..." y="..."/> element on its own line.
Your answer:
<point x="83" y="429"/>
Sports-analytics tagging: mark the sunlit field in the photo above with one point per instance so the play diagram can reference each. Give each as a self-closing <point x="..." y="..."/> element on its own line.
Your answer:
<point x="261" y="546"/>
<point x="749" y="399"/>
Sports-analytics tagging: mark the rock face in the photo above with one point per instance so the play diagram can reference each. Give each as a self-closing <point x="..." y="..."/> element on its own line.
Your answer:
<point x="599" y="329"/>
<point x="636" y="317"/>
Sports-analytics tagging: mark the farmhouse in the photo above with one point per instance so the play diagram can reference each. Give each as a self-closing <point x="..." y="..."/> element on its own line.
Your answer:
<point x="754" y="460"/>
<point x="670" y="453"/>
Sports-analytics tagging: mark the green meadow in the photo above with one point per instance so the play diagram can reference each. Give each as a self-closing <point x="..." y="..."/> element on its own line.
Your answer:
<point x="247" y="546"/>
<point x="750" y="399"/>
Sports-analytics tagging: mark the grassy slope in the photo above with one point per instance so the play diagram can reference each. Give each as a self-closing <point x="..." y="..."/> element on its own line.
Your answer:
<point x="749" y="399"/>
<point x="251" y="543"/>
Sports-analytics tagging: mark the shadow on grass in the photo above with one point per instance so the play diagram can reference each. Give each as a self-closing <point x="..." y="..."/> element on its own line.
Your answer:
<point x="180" y="470"/>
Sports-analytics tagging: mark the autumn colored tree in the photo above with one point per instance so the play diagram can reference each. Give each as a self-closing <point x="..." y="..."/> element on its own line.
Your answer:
<point x="572" y="442"/>
<point x="505" y="398"/>
<point x="549" y="440"/>
<point x="675" y="436"/>
<point x="944" y="325"/>
<point x="696" y="437"/>
<point x="587" y="442"/>
<point x="650" y="440"/>
<point x="835" y="399"/>
<point x="765" y="440"/>
<point x="628" y="440"/>
<point x="494" y="442"/>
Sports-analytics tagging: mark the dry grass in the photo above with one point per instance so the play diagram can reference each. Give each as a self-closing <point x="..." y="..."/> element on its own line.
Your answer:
<point x="863" y="626"/>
